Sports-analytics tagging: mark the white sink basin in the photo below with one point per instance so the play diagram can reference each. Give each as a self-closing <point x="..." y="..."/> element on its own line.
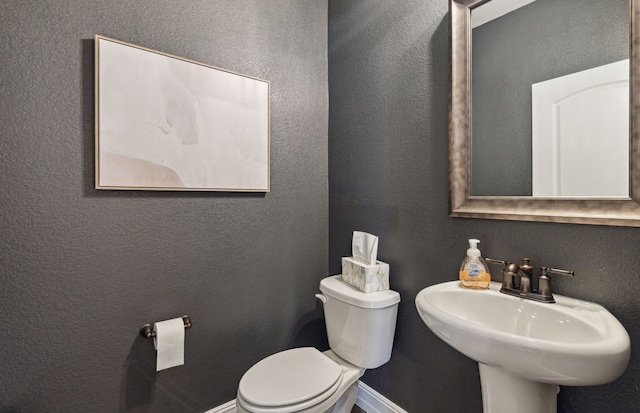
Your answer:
<point x="571" y="342"/>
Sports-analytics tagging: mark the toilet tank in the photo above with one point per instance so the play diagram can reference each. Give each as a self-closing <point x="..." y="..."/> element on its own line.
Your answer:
<point x="360" y="326"/>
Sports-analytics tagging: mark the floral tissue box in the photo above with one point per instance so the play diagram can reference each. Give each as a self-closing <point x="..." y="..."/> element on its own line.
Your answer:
<point x="366" y="278"/>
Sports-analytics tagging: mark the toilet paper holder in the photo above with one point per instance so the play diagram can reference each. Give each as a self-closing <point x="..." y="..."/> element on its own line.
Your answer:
<point x="147" y="330"/>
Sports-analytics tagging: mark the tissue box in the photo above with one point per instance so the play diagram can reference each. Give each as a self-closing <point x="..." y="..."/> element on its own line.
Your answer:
<point x="367" y="278"/>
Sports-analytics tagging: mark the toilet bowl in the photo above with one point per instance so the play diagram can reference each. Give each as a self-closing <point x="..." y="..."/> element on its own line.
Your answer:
<point x="360" y="328"/>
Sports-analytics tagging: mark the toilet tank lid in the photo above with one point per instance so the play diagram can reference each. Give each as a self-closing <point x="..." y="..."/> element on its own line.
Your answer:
<point x="334" y="287"/>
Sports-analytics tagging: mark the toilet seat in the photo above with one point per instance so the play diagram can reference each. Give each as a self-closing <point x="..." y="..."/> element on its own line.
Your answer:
<point x="289" y="381"/>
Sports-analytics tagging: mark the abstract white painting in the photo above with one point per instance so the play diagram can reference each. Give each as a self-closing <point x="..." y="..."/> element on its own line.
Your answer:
<point x="167" y="123"/>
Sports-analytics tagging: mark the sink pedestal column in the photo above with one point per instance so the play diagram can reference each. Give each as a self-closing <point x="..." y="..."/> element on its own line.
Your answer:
<point x="503" y="393"/>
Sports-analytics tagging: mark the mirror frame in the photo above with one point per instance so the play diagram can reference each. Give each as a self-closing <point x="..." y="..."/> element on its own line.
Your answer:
<point x="619" y="212"/>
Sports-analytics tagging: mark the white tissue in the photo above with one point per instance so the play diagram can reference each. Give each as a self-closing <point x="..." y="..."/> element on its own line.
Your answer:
<point x="169" y="341"/>
<point x="364" y="247"/>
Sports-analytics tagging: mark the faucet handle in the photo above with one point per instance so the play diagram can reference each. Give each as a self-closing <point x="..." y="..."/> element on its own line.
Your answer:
<point x="544" y="282"/>
<point x="497" y="262"/>
<point x="547" y="270"/>
<point x="507" y="273"/>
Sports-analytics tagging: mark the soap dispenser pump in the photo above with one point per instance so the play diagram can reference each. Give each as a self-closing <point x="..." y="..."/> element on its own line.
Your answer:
<point x="474" y="273"/>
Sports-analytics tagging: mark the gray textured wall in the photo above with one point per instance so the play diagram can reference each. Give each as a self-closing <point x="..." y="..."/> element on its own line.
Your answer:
<point x="81" y="270"/>
<point x="546" y="39"/>
<point x="388" y="86"/>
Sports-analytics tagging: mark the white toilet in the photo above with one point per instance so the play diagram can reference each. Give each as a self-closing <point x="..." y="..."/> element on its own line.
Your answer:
<point x="360" y="327"/>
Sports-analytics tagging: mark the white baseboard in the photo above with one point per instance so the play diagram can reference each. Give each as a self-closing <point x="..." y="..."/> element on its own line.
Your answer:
<point x="373" y="402"/>
<point x="368" y="399"/>
<point x="228" y="407"/>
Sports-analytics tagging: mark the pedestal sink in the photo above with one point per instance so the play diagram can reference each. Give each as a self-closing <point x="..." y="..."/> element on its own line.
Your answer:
<point x="525" y="349"/>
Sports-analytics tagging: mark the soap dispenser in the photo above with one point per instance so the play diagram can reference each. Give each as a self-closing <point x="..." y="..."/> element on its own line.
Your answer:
<point x="474" y="273"/>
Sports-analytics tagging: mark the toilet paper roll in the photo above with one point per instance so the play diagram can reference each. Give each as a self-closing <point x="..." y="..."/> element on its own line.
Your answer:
<point x="169" y="342"/>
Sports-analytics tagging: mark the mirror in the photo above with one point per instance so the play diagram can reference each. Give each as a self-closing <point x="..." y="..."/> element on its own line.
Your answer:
<point x="550" y="98"/>
<point x="603" y="209"/>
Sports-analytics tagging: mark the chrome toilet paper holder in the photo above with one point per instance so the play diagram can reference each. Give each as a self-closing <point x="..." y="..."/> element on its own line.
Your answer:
<point x="147" y="330"/>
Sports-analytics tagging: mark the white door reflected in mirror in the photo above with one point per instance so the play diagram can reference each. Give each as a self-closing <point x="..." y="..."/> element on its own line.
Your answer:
<point x="580" y="134"/>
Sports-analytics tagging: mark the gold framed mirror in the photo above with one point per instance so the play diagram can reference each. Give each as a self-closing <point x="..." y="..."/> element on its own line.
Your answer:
<point x="623" y="211"/>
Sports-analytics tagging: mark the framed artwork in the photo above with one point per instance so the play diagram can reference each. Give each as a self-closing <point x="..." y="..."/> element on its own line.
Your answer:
<point x="168" y="123"/>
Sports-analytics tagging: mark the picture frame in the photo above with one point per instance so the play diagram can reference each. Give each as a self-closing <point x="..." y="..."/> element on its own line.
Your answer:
<point x="172" y="124"/>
